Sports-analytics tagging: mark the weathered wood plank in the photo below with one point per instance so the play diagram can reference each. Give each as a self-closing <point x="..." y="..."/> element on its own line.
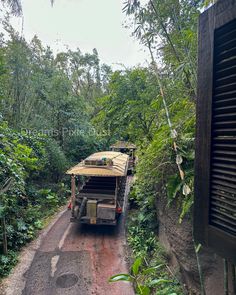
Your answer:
<point x="203" y="130"/>
<point x="215" y="23"/>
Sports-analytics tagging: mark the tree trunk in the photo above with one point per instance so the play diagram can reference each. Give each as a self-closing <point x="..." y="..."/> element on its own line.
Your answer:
<point x="4" y="233"/>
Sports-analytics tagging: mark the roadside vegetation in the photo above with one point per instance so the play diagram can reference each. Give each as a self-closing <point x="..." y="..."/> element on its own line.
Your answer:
<point x="155" y="108"/>
<point x="150" y="272"/>
<point x="46" y="106"/>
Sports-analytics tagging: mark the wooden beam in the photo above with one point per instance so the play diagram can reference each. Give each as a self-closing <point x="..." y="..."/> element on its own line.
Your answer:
<point x="73" y="190"/>
<point x="96" y="196"/>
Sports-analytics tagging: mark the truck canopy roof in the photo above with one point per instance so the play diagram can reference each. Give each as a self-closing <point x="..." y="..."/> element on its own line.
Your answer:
<point x="123" y="145"/>
<point x="102" y="164"/>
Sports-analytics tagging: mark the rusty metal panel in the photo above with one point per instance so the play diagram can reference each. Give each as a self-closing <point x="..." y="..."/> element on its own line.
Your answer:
<point x="106" y="211"/>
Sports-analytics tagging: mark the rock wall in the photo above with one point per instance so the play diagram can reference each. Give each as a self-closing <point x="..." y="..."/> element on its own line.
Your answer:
<point x="178" y="241"/>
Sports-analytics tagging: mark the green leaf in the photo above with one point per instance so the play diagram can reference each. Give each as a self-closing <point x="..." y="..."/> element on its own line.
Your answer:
<point x="21" y="225"/>
<point x="136" y="265"/>
<point x="156" y="282"/>
<point x="38" y="224"/>
<point x="174" y="185"/>
<point x="121" y="277"/>
<point x="144" y="290"/>
<point x="197" y="248"/>
<point x="50" y="197"/>
<point x="4" y="259"/>
<point x="152" y="269"/>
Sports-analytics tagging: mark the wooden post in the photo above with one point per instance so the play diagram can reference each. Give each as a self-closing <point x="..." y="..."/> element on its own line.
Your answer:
<point x="73" y="190"/>
<point x="116" y="191"/>
<point x="4" y="233"/>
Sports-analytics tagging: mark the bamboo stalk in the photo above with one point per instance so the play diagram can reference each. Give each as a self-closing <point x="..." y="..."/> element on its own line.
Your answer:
<point x="172" y="130"/>
<point x="171" y="43"/>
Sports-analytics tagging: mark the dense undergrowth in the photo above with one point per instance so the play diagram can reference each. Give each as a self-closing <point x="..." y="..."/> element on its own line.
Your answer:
<point x="46" y="106"/>
<point x="142" y="239"/>
<point x="28" y="201"/>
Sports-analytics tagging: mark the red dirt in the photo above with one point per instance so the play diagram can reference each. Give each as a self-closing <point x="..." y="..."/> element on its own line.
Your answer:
<point x="106" y="248"/>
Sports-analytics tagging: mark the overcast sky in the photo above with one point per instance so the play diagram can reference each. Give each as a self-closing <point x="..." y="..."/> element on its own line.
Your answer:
<point x="86" y="24"/>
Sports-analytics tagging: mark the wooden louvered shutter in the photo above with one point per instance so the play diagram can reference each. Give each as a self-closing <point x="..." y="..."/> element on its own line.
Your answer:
<point x="215" y="161"/>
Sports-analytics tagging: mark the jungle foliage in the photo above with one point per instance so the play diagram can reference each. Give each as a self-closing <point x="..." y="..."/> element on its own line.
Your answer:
<point x="46" y="106"/>
<point x="155" y="108"/>
<point x="150" y="273"/>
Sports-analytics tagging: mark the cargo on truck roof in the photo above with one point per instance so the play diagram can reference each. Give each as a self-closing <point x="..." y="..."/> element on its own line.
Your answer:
<point x="105" y="163"/>
<point x="128" y="148"/>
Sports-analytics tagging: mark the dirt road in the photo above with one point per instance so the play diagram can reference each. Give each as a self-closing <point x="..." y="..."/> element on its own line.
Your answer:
<point x="75" y="260"/>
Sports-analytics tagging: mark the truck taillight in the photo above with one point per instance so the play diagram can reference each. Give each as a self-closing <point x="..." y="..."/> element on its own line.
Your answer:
<point x="119" y="210"/>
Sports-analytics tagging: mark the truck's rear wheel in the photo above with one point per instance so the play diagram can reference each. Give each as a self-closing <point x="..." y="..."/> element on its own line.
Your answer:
<point x="76" y="211"/>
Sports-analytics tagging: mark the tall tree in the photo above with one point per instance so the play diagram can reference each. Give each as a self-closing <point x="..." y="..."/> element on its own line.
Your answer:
<point x="130" y="109"/>
<point x="16" y="6"/>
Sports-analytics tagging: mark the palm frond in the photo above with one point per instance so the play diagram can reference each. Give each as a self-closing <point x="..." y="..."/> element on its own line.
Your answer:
<point x="15" y="6"/>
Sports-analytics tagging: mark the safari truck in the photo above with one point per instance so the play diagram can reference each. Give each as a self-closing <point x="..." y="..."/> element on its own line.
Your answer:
<point x="127" y="148"/>
<point x="101" y="183"/>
